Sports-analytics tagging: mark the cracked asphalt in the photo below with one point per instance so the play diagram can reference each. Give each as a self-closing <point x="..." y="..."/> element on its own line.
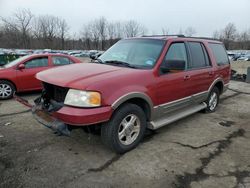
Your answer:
<point x="202" y="150"/>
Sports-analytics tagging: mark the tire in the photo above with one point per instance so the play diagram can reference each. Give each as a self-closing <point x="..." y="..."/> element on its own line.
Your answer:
<point x="130" y="122"/>
<point x="7" y="90"/>
<point x="212" y="100"/>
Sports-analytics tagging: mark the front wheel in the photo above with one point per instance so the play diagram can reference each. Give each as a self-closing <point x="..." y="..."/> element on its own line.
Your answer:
<point x="7" y="89"/>
<point x="212" y="100"/>
<point x="125" y="130"/>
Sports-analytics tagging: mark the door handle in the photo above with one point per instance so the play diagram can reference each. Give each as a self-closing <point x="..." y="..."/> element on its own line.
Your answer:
<point x="187" y="77"/>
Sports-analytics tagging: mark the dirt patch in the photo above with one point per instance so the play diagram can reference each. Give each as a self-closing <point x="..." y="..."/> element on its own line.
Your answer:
<point x="240" y="66"/>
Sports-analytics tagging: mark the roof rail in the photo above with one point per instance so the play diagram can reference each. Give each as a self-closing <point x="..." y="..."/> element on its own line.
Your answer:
<point x="206" y="38"/>
<point x="183" y="36"/>
<point x="179" y="35"/>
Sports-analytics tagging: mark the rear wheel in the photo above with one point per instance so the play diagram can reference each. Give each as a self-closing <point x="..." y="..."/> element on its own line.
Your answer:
<point x="6" y="89"/>
<point x="125" y="130"/>
<point x="212" y="100"/>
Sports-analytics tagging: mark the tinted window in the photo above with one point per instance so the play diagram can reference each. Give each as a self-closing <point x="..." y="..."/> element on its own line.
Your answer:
<point x="37" y="62"/>
<point x="219" y="53"/>
<point x="197" y="55"/>
<point x="208" y="63"/>
<point x="57" y="60"/>
<point x="177" y="51"/>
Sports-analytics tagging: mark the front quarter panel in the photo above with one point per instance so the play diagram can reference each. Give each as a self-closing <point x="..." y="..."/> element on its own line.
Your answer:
<point x="115" y="91"/>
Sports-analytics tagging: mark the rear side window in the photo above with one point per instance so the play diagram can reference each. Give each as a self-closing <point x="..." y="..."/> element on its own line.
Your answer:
<point x="58" y="60"/>
<point x="219" y="53"/>
<point x="198" y="58"/>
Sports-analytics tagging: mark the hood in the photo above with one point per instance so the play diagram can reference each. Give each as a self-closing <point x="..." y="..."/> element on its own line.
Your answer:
<point x="80" y="76"/>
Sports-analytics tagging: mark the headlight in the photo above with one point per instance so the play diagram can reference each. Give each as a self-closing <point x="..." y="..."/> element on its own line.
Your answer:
<point x="83" y="98"/>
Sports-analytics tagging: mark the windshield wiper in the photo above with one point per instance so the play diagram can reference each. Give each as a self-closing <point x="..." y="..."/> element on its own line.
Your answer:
<point x="116" y="62"/>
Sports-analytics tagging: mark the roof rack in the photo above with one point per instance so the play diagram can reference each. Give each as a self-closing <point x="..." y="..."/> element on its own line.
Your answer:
<point x="206" y="38"/>
<point x="179" y="35"/>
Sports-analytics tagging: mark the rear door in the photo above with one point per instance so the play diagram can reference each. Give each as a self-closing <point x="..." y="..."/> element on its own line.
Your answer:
<point x="200" y="73"/>
<point x="26" y="77"/>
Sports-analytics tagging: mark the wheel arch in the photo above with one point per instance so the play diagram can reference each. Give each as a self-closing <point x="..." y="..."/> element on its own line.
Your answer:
<point x="219" y="83"/>
<point x="8" y="80"/>
<point x="140" y="99"/>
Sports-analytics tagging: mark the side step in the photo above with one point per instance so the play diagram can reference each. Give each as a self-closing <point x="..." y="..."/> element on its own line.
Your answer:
<point x="176" y="116"/>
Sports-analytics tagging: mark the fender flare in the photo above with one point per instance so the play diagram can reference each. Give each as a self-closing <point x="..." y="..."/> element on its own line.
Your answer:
<point x="214" y="83"/>
<point x="132" y="95"/>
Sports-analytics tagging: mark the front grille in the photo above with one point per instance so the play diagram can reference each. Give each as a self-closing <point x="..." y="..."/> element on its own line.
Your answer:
<point x="54" y="92"/>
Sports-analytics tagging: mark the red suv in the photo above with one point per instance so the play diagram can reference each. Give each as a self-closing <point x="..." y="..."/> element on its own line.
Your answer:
<point x="19" y="75"/>
<point x="139" y="83"/>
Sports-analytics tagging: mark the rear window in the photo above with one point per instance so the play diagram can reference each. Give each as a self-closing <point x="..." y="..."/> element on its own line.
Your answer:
<point x="58" y="60"/>
<point x="197" y="55"/>
<point x="219" y="53"/>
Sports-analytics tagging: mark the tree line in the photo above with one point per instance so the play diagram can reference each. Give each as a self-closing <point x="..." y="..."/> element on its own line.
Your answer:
<point x="27" y="31"/>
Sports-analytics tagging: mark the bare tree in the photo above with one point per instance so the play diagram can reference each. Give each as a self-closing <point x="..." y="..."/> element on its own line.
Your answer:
<point x="86" y="36"/>
<point x="133" y="29"/>
<point x="111" y="28"/>
<point x="101" y="26"/>
<point x="119" y="32"/>
<point x="63" y="30"/>
<point x="115" y="32"/>
<point x="165" y="31"/>
<point x="190" y="31"/>
<point x="20" y="22"/>
<point x="216" y="35"/>
<point x="47" y="30"/>
<point x="229" y="34"/>
<point x="244" y="39"/>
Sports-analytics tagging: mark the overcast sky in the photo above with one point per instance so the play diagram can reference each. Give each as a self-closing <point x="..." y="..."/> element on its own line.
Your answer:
<point x="204" y="15"/>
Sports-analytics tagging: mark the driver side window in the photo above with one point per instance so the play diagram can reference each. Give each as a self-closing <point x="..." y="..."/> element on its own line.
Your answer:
<point x="176" y="54"/>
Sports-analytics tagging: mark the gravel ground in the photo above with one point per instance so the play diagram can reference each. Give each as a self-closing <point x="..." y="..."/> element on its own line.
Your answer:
<point x="202" y="150"/>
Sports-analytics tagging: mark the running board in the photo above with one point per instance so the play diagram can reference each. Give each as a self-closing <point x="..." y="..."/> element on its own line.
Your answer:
<point x="176" y="116"/>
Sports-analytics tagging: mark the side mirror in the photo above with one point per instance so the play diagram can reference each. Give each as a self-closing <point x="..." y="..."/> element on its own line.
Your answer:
<point x="175" y="65"/>
<point x="21" y="66"/>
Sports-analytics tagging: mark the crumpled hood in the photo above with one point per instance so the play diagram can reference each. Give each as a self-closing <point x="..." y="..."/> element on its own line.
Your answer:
<point x="80" y="76"/>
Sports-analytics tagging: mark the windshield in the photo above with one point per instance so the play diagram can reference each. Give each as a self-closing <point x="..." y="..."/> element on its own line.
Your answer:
<point x="13" y="63"/>
<point x="140" y="53"/>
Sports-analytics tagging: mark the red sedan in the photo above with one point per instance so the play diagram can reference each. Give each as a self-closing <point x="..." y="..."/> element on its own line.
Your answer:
<point x="19" y="75"/>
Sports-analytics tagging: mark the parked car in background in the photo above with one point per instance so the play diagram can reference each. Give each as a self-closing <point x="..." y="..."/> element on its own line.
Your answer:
<point x="82" y="54"/>
<point x="233" y="56"/>
<point x="244" y="58"/>
<point x="19" y="75"/>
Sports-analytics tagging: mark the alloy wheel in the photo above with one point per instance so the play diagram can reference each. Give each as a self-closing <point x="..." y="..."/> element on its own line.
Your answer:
<point x="129" y="129"/>
<point x="5" y="90"/>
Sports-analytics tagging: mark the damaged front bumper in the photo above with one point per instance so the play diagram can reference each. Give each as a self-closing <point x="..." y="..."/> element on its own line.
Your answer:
<point x="42" y="113"/>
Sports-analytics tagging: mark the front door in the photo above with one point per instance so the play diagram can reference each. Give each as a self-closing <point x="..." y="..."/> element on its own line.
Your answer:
<point x="26" y="77"/>
<point x="171" y="86"/>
